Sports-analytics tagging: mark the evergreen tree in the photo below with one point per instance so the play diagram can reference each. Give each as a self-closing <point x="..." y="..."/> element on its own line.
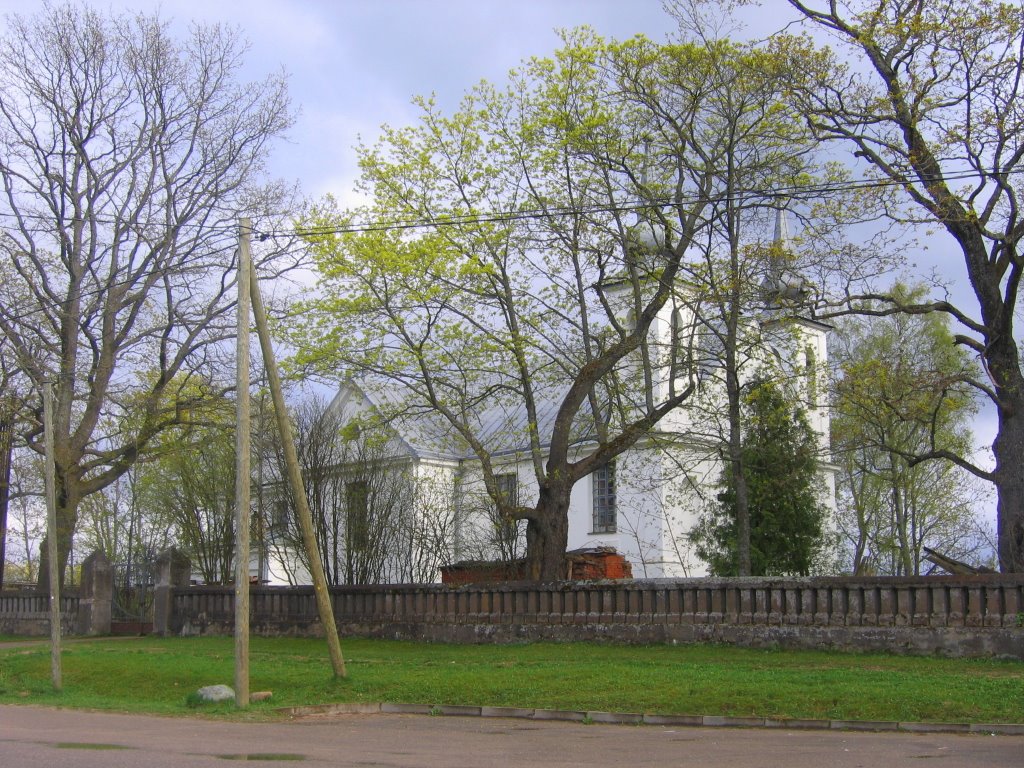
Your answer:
<point x="780" y="466"/>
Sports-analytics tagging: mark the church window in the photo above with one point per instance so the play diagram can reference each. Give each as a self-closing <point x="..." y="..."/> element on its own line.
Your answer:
<point x="604" y="499"/>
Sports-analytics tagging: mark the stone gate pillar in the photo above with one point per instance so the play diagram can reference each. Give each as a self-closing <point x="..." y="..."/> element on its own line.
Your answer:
<point x="174" y="570"/>
<point x="96" y="596"/>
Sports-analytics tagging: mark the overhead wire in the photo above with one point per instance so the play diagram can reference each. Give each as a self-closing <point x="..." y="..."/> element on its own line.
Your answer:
<point x="399" y="223"/>
<point x="396" y="222"/>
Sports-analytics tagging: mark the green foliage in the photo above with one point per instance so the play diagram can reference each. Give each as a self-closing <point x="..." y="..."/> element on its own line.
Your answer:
<point x="516" y="292"/>
<point x="928" y="96"/>
<point x="903" y="390"/>
<point x="187" y="481"/>
<point x="779" y="462"/>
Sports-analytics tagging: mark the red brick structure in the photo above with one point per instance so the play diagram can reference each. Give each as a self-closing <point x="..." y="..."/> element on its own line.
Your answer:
<point x="580" y="565"/>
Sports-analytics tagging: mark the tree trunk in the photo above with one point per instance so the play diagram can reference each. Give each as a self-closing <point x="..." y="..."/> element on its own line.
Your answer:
<point x="67" y="521"/>
<point x="1003" y="363"/>
<point x="973" y="61"/>
<point x="547" y="536"/>
<point x="899" y="509"/>
<point x="739" y="479"/>
<point x="1008" y="476"/>
<point x="6" y="445"/>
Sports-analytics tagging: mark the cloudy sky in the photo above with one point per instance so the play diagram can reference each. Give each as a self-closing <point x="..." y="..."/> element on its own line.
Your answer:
<point x="355" y="64"/>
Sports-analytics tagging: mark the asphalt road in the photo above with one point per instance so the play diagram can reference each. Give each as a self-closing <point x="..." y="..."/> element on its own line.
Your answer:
<point x="32" y="737"/>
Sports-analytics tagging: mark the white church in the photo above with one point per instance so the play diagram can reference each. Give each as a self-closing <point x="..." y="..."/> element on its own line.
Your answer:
<point x="643" y="504"/>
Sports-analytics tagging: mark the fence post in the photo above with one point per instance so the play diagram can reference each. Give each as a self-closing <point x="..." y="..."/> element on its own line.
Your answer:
<point x="174" y="569"/>
<point x="96" y="595"/>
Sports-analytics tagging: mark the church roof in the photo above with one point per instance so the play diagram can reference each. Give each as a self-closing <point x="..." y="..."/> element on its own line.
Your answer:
<point x="502" y="426"/>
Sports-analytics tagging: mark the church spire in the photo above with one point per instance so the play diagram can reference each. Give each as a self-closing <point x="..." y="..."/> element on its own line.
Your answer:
<point x="782" y="284"/>
<point x="781" y="238"/>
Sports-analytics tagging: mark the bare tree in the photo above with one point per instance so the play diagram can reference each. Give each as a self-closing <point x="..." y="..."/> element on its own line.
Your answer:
<point x="26" y="522"/>
<point x="929" y="95"/>
<point x="429" y="533"/>
<point x="6" y="454"/>
<point x="125" y="157"/>
<point x="489" y="531"/>
<point x="319" y="444"/>
<point x="10" y="408"/>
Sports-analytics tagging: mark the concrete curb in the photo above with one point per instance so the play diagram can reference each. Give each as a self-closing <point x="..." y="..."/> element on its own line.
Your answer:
<point x="634" y="718"/>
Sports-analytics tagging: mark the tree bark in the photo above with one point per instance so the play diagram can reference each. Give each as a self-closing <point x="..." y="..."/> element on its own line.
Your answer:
<point x="1008" y="475"/>
<point x="67" y="521"/>
<point x="739" y="479"/>
<point x="1003" y="366"/>
<point x="974" y="56"/>
<point x="547" y="536"/>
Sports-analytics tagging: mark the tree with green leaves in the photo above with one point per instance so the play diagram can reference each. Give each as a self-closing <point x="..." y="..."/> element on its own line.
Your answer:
<point x="116" y="521"/>
<point x="126" y="156"/>
<point x="524" y="247"/>
<point x="903" y="389"/>
<point x="740" y="273"/>
<point x="929" y="95"/>
<point x="187" y="482"/>
<point x="788" y="530"/>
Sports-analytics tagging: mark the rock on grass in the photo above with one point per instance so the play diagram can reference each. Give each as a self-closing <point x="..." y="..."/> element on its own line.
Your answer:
<point x="212" y="694"/>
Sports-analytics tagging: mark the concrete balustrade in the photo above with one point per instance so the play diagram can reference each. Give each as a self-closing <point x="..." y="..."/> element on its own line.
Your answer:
<point x="958" y="616"/>
<point x="949" y="615"/>
<point x="84" y="609"/>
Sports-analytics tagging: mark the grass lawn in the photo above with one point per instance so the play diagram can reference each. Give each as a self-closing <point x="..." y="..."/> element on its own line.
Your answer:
<point x="156" y="674"/>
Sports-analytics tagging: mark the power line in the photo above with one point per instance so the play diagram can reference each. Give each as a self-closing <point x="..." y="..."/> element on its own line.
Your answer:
<point x="398" y="223"/>
<point x="228" y="227"/>
<point x="205" y="258"/>
<point x="182" y="267"/>
<point x="405" y="224"/>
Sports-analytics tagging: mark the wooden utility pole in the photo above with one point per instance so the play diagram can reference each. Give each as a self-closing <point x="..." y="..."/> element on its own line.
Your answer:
<point x="51" y="535"/>
<point x="6" y="447"/>
<point x="242" y="460"/>
<point x="323" y="597"/>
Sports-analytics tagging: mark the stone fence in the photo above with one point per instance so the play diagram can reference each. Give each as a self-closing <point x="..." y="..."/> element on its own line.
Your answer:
<point x="84" y="610"/>
<point x="28" y="613"/>
<point x="948" y="615"/>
